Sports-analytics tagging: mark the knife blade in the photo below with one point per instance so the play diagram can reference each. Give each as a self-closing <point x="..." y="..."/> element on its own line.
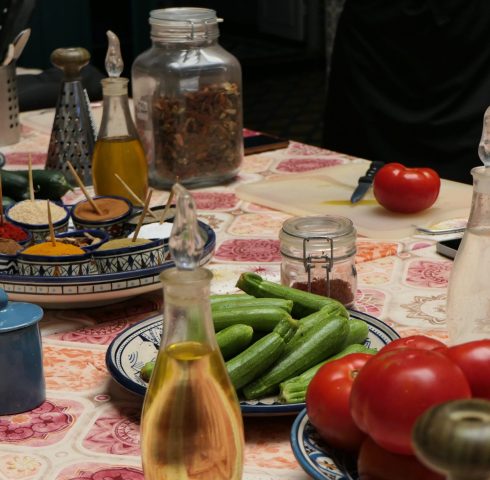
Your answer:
<point x="365" y="181"/>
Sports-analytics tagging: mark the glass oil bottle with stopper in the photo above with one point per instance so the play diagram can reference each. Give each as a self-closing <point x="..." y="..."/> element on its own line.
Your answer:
<point x="118" y="149"/>
<point x="191" y="426"/>
<point x="318" y="255"/>
<point x="468" y="296"/>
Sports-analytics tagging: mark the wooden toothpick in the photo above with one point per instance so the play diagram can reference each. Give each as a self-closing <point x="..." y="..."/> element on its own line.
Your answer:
<point x="169" y="202"/>
<point x="50" y="223"/>
<point x="31" y="181"/>
<point x="82" y="187"/>
<point x="142" y="216"/>
<point x="133" y="194"/>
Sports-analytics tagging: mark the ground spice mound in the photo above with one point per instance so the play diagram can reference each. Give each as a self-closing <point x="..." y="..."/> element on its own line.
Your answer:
<point x="110" y="208"/>
<point x="36" y="212"/>
<point x="7" y="230"/>
<point x="56" y="250"/>
<point x="9" y="246"/>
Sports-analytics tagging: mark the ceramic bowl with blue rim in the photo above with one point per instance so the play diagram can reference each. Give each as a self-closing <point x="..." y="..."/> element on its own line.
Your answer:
<point x="99" y="238"/>
<point x="39" y="232"/>
<point x="126" y="259"/>
<point x="54" y="266"/>
<point x="318" y="459"/>
<point x="8" y="264"/>
<point x="139" y="344"/>
<point x="115" y="227"/>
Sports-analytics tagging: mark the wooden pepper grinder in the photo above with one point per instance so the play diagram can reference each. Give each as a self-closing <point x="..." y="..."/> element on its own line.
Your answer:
<point x="73" y="133"/>
<point x="454" y="439"/>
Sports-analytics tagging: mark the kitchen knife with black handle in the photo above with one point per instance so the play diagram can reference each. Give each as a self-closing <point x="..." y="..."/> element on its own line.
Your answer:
<point x="365" y="181"/>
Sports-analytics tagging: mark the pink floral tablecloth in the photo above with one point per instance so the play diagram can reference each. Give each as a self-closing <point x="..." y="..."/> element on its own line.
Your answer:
<point x="88" y="428"/>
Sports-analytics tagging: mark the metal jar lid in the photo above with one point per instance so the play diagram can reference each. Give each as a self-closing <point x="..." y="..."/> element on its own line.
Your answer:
<point x="322" y="235"/>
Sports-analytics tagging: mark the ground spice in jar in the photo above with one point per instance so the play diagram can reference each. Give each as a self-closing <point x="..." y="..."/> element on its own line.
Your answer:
<point x="36" y="212"/>
<point x="197" y="134"/>
<point x="110" y="207"/>
<point x="339" y="289"/>
<point x="7" y="230"/>
<point x="9" y="246"/>
<point x="56" y="250"/>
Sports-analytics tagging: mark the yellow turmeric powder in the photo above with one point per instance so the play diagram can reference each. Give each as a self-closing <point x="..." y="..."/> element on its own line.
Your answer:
<point x="56" y="250"/>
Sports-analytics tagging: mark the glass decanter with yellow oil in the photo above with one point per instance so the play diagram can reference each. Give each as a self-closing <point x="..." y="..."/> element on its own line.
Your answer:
<point x="191" y="424"/>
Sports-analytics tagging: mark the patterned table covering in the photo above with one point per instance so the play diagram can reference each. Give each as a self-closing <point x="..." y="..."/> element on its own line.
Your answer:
<point x="88" y="428"/>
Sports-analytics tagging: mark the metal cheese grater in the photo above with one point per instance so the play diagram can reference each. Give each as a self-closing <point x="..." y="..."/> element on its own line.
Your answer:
<point x="73" y="133"/>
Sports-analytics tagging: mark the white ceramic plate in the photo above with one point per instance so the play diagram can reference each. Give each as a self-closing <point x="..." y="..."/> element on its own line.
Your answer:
<point x="138" y="344"/>
<point x="92" y="290"/>
<point x="317" y="459"/>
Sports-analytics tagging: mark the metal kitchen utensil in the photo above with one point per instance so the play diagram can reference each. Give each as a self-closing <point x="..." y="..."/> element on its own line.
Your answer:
<point x="9" y="106"/>
<point x="365" y="182"/>
<point x="20" y="41"/>
<point x="73" y="133"/>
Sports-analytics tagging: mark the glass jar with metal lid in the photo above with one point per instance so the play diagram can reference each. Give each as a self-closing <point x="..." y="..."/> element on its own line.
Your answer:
<point x="188" y="100"/>
<point x="318" y="255"/>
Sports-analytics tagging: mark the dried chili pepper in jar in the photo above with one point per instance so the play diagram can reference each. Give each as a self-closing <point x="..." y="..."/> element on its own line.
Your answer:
<point x="188" y="100"/>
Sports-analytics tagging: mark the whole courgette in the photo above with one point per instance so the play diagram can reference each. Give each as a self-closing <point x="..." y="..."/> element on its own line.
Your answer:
<point x="14" y="185"/>
<point x="257" y="358"/>
<point x="261" y="319"/>
<point x="358" y="332"/>
<point x="294" y="389"/>
<point x="304" y="303"/>
<point x="252" y="302"/>
<point x="321" y="342"/>
<point x="48" y="184"/>
<point x="232" y="340"/>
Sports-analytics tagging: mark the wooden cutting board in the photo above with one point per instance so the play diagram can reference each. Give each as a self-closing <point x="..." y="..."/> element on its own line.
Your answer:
<point x="328" y="190"/>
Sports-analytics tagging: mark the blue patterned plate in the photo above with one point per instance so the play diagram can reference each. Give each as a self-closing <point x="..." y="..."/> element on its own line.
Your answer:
<point x="138" y="344"/>
<point x="315" y="457"/>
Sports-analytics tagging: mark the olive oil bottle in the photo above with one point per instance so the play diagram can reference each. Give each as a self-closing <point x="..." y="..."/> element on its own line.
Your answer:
<point x="191" y="427"/>
<point x="118" y="149"/>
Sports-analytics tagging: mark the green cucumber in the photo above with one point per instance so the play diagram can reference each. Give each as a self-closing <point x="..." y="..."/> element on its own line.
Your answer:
<point x="260" y="356"/>
<point x="286" y="305"/>
<point x="233" y="339"/>
<point x="262" y="319"/>
<point x="304" y="303"/>
<point x="48" y="184"/>
<point x="321" y="342"/>
<point x="294" y="389"/>
<point x="358" y="332"/>
<point x="14" y="185"/>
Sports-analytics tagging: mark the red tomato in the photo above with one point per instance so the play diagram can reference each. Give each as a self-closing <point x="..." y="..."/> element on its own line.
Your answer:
<point x="376" y="463"/>
<point x="415" y="341"/>
<point x="327" y="401"/>
<point x="406" y="190"/>
<point x="394" y="388"/>
<point x="474" y="359"/>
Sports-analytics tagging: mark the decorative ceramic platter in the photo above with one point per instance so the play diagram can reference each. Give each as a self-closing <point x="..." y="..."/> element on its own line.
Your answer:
<point x="138" y="344"/>
<point x="92" y="290"/>
<point x="317" y="459"/>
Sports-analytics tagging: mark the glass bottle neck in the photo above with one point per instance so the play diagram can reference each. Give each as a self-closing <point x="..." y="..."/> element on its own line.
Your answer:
<point x="116" y="118"/>
<point x="187" y="310"/>
<point x="480" y="204"/>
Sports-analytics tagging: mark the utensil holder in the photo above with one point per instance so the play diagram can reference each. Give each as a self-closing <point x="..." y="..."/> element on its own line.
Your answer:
<point x="9" y="106"/>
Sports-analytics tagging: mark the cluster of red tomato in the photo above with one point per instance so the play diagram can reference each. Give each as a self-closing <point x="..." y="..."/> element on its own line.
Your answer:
<point x="370" y="403"/>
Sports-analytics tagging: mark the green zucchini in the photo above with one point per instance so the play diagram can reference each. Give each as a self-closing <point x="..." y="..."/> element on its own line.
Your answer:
<point x="304" y="303"/>
<point x="147" y="370"/>
<point x="233" y="339"/>
<point x="294" y="389"/>
<point x="358" y="332"/>
<point x="286" y="305"/>
<point x="7" y="201"/>
<point x="14" y="185"/>
<point x="261" y="355"/>
<point x="228" y="297"/>
<point x="321" y="342"/>
<point x="262" y="319"/>
<point x="48" y="184"/>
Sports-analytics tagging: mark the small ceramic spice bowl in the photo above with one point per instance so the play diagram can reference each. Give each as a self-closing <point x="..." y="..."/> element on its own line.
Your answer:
<point x="129" y="258"/>
<point x="79" y="237"/>
<point x="54" y="265"/>
<point x="27" y="216"/>
<point x="116" y="211"/>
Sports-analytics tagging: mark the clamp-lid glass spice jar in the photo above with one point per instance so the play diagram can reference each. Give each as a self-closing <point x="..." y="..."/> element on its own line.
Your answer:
<point x="188" y="100"/>
<point x="318" y="255"/>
